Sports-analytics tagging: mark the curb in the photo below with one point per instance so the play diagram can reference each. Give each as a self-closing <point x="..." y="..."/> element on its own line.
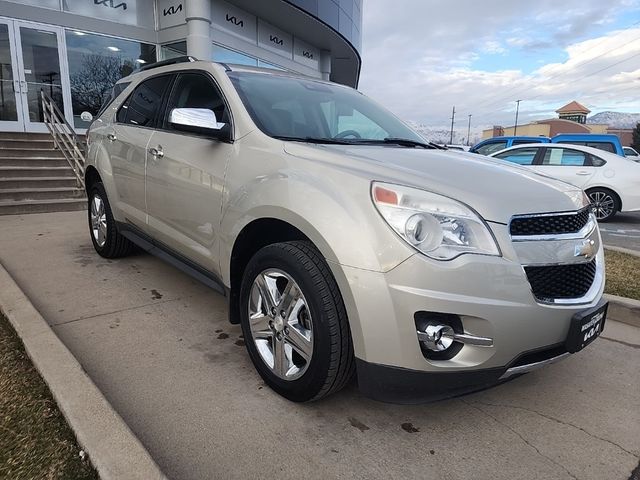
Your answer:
<point x="624" y="310"/>
<point x="113" y="449"/>
<point x="628" y="251"/>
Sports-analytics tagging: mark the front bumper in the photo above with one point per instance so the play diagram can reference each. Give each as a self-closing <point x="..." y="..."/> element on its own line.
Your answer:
<point x="493" y="299"/>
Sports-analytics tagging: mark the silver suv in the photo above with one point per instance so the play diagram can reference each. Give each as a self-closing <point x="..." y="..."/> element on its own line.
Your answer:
<point x="344" y="243"/>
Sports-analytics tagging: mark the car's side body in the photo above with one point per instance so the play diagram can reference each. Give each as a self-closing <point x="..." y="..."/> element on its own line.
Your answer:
<point x="585" y="167"/>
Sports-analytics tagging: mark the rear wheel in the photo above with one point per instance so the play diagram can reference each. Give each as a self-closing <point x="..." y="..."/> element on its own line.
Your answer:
<point x="295" y="323"/>
<point x="106" y="239"/>
<point x="605" y="203"/>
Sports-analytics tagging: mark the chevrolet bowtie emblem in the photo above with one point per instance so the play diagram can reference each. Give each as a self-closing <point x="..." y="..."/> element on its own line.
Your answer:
<point x="585" y="248"/>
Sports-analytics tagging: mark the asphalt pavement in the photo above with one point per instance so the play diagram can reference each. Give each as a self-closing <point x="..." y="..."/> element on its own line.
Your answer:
<point x="158" y="345"/>
<point x="623" y="231"/>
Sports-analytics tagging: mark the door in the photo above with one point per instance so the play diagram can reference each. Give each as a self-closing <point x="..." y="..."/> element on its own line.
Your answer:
<point x="32" y="58"/>
<point x="566" y="164"/>
<point x="10" y="98"/>
<point x="127" y="140"/>
<point x="185" y="176"/>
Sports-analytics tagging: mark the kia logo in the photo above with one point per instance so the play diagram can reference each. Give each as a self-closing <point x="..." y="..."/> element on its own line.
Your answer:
<point x="276" y="40"/>
<point x="172" y="10"/>
<point x="307" y="54"/>
<point x="234" y="20"/>
<point x="110" y="3"/>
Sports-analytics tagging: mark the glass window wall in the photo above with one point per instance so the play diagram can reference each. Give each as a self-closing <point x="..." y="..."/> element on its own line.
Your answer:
<point x="96" y="63"/>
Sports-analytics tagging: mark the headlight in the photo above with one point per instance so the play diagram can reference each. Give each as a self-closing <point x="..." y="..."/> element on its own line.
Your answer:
<point x="438" y="226"/>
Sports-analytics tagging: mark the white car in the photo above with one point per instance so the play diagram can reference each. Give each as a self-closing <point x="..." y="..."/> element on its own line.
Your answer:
<point x="611" y="181"/>
<point x="631" y="153"/>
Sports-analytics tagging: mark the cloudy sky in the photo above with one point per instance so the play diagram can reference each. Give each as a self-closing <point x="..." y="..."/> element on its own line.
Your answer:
<point x="421" y="57"/>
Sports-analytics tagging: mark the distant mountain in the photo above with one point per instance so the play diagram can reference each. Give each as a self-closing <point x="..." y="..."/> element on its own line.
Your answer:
<point x="616" y="119"/>
<point x="442" y="135"/>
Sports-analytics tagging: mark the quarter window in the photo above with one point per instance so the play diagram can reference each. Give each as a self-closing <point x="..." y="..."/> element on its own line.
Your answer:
<point x="521" y="156"/>
<point x="142" y="107"/>
<point x="565" y="157"/>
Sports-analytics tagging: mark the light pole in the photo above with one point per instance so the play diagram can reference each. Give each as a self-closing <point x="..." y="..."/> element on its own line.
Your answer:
<point x="469" y="131"/>
<point x="453" y="116"/>
<point x="515" y="128"/>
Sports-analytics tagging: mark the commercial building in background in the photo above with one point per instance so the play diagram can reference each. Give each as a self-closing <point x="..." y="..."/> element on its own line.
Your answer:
<point x="77" y="49"/>
<point x="572" y="118"/>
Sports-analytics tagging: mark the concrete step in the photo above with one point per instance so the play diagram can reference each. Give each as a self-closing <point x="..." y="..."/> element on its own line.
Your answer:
<point x="30" y="152"/>
<point x="37" y="182"/>
<point x="19" y="194"/>
<point x="25" y="136"/>
<point x="42" y="206"/>
<point x="35" y="171"/>
<point x="34" y="162"/>
<point x="27" y="143"/>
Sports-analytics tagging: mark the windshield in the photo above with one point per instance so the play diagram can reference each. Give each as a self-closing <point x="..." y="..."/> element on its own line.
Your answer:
<point x="294" y="108"/>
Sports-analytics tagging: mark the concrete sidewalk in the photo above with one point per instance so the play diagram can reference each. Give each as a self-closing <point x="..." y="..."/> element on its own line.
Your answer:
<point x="158" y="346"/>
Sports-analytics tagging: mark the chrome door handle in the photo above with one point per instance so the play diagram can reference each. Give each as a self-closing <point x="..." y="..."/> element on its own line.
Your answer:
<point x="582" y="172"/>
<point x="111" y="137"/>
<point x="156" y="152"/>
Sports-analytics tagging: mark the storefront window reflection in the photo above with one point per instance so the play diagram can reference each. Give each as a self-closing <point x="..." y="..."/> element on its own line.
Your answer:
<point x="96" y="63"/>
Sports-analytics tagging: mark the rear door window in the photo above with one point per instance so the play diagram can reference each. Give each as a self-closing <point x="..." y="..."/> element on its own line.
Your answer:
<point x="557" y="156"/>
<point x="604" y="146"/>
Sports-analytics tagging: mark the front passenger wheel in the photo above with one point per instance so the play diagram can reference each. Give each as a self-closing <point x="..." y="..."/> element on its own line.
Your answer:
<point x="605" y="203"/>
<point x="294" y="322"/>
<point x="106" y="239"/>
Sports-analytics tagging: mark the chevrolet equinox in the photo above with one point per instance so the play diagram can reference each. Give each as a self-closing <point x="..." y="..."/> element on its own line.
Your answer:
<point x="344" y="242"/>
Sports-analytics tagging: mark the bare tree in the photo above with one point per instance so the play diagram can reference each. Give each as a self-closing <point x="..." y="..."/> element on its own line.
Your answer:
<point x="97" y="75"/>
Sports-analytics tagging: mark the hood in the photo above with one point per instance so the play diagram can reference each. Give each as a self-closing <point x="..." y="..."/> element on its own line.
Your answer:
<point x="494" y="188"/>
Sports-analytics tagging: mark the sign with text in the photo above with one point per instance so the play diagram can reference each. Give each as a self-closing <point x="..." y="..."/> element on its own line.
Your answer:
<point x="171" y="13"/>
<point x="233" y="20"/>
<point x="274" y="39"/>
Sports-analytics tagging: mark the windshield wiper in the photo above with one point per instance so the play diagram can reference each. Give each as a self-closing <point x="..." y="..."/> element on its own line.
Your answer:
<point x="403" y="142"/>
<point x="330" y="141"/>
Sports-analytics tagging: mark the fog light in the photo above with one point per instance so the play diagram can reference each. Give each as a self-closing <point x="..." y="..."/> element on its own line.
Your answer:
<point x="437" y="338"/>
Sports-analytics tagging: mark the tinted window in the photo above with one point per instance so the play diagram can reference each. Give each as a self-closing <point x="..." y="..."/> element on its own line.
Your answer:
<point x="565" y="157"/>
<point x="630" y="152"/>
<point x="142" y="107"/>
<point x="520" y="142"/>
<point x="490" y="148"/>
<point x="605" y="146"/>
<point x="195" y="90"/>
<point x="521" y="156"/>
<point x="117" y="89"/>
<point x="596" y="161"/>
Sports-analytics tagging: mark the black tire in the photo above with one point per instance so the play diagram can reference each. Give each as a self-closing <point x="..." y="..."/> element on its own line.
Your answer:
<point x="115" y="245"/>
<point x="332" y="364"/>
<point x="605" y="202"/>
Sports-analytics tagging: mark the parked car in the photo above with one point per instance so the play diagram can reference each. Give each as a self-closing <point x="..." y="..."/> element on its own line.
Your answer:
<point x="343" y="242"/>
<point x="495" y="144"/>
<point x="610" y="181"/>
<point x="607" y="142"/>
<point x="631" y="153"/>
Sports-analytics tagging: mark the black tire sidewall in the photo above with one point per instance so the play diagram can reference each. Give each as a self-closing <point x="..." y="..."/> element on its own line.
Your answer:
<point x="98" y="189"/>
<point x="310" y="383"/>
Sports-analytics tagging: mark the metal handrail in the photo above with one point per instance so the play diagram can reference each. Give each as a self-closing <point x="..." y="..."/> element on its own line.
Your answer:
<point x="64" y="137"/>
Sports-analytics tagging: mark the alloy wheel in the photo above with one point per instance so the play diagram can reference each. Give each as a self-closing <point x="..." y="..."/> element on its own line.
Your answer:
<point x="603" y="204"/>
<point x="280" y="323"/>
<point x="98" y="220"/>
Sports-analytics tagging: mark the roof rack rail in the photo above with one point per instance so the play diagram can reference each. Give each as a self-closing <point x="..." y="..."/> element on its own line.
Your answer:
<point x="171" y="61"/>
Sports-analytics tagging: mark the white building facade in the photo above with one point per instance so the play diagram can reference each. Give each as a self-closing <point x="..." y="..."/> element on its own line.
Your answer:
<point x="77" y="49"/>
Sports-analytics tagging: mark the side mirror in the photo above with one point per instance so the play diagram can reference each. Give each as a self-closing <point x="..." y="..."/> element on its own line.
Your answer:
<point x="199" y="120"/>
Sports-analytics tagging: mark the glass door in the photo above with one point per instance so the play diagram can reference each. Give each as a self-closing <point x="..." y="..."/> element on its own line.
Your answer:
<point x="10" y="98"/>
<point x="41" y="66"/>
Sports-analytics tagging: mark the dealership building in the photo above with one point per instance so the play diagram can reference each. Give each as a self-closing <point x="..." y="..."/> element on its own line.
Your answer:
<point x="75" y="50"/>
